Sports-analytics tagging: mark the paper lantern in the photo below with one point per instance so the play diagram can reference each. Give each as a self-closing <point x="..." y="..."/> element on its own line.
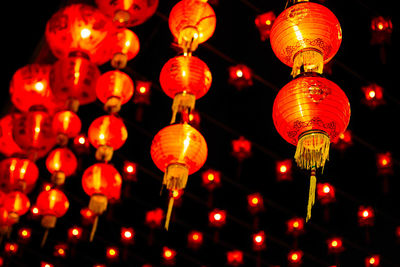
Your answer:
<point x="52" y="204"/>
<point x="178" y="150"/>
<point x="310" y="112"/>
<point x="192" y="22"/>
<point x="61" y="163"/>
<point x="17" y="204"/>
<point x="128" y="13"/>
<point x="264" y="24"/>
<point x="8" y="147"/>
<point x="80" y="28"/>
<point x="185" y="79"/>
<point x="18" y="174"/>
<point x="125" y="47"/>
<point x="114" y="88"/>
<point x="66" y="124"/>
<point x="240" y="76"/>
<point x="107" y="133"/>
<point x="305" y="36"/>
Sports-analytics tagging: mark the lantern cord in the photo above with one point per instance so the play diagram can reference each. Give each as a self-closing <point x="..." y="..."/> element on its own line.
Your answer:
<point x="46" y="233"/>
<point x="311" y="194"/>
<point x="94" y="227"/>
<point x="169" y="212"/>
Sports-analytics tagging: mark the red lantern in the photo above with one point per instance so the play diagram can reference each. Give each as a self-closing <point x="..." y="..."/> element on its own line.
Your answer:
<point x="142" y="93"/>
<point x="259" y="241"/>
<point x="154" y="218"/>
<point x="178" y="150"/>
<point x="373" y="95"/>
<point x="114" y="88"/>
<point x="366" y="216"/>
<point x="74" y="233"/>
<point x="211" y="179"/>
<point x="125" y="48"/>
<point x="130" y="170"/>
<point x="73" y="80"/>
<point x="344" y="140"/>
<point x="305" y="36"/>
<point x="241" y="148"/>
<point x="192" y="22"/>
<point x="169" y="256"/>
<point x="195" y="239"/>
<point x="107" y="133"/>
<point x="33" y="133"/>
<point x="80" y="28"/>
<point x="66" y="124"/>
<point x="17" y="204"/>
<point x="112" y="253"/>
<point x="61" y="163"/>
<point x="8" y="147"/>
<point x="128" y="13"/>
<point x="310" y="112"/>
<point x="295" y="226"/>
<point x="217" y="218"/>
<point x="18" y="174"/>
<point x="325" y="193"/>
<point x="372" y="261"/>
<point x="255" y="203"/>
<point x="81" y="144"/>
<point x="30" y="87"/>
<point x="127" y="235"/>
<point x="185" y="79"/>
<point x="60" y="250"/>
<point x="234" y="258"/>
<point x="264" y="24"/>
<point x="24" y="234"/>
<point x="381" y="30"/>
<point x="284" y="170"/>
<point x="295" y="257"/>
<point x="11" y="248"/>
<point x="240" y="76"/>
<point x="335" y="245"/>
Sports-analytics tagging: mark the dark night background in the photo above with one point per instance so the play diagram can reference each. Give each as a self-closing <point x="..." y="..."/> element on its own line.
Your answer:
<point x="226" y="114"/>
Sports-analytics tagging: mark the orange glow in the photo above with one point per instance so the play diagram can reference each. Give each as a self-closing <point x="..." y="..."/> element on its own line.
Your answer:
<point x="168" y="254"/>
<point x="127" y="234"/>
<point x="239" y="73"/>
<point x="85" y="33"/>
<point x="142" y="89"/>
<point x="365" y="214"/>
<point x="295" y="256"/>
<point x="75" y="233"/>
<point x="82" y="140"/>
<point x="35" y="210"/>
<point x="283" y="169"/>
<point x="24" y="233"/>
<point x="326" y="189"/>
<point x="210" y="177"/>
<point x="217" y="218"/>
<point x="39" y="86"/>
<point x="112" y="253"/>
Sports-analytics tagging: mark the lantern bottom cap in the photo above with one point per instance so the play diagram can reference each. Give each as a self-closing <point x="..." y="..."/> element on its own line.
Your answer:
<point x="49" y="221"/>
<point x="175" y="177"/>
<point x="113" y="105"/>
<point x="104" y="153"/>
<point x="312" y="150"/>
<point x="184" y="103"/>
<point x="307" y="60"/>
<point x="98" y="204"/>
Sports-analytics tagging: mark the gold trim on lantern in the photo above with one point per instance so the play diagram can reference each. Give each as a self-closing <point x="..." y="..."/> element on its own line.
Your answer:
<point x="307" y="60"/>
<point x="182" y="102"/>
<point x="312" y="150"/>
<point x="176" y="176"/>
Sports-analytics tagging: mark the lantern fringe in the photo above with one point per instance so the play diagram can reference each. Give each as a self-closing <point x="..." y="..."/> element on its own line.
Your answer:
<point x="188" y="39"/>
<point x="169" y="212"/>
<point x="94" y="228"/>
<point x="46" y="233"/>
<point x="311" y="193"/>
<point x="176" y="176"/>
<point x="312" y="150"/>
<point x="307" y="61"/>
<point x="183" y="102"/>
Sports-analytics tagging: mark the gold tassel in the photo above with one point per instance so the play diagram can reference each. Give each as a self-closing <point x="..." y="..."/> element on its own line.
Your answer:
<point x="188" y="39"/>
<point x="311" y="193"/>
<point x="307" y="61"/>
<point x="46" y="233"/>
<point x="169" y="212"/>
<point x="175" y="177"/>
<point x="182" y="102"/>
<point x="312" y="150"/>
<point x="94" y="228"/>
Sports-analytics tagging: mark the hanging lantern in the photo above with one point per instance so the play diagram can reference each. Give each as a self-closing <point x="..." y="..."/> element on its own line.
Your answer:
<point x="82" y="29"/>
<point x="30" y="87"/>
<point x="130" y="171"/>
<point x="195" y="239"/>
<point x="107" y="133"/>
<point x="373" y="261"/>
<point x="234" y="258"/>
<point x="192" y="22"/>
<point x="73" y="80"/>
<point x="18" y="174"/>
<point x="211" y="179"/>
<point x="259" y="241"/>
<point x="325" y="193"/>
<point x="33" y="133"/>
<point x="217" y="218"/>
<point x="8" y="147"/>
<point x="284" y="170"/>
<point x="381" y="30"/>
<point x="142" y="93"/>
<point x="81" y="144"/>
<point x="66" y="124"/>
<point x="305" y="36"/>
<point x="61" y="163"/>
<point x="52" y="204"/>
<point x="344" y="141"/>
<point x="373" y="95"/>
<point x="255" y="203"/>
<point x="295" y="226"/>
<point x="101" y="182"/>
<point x="17" y="204"/>
<point x="126" y="47"/>
<point x="384" y="163"/>
<point x="240" y="76"/>
<point x="264" y="24"/>
<point x="366" y="216"/>
<point x="185" y="79"/>
<point x="168" y="255"/>
<point x="154" y="218"/>
<point x="295" y="257"/>
<point x="335" y="245"/>
<point x="310" y="112"/>
<point x="241" y="148"/>
<point x="178" y="150"/>
<point x="114" y="88"/>
<point x="128" y="13"/>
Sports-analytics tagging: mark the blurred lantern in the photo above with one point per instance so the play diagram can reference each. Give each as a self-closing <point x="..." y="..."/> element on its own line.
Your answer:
<point x="11" y="248"/>
<point x="241" y="148"/>
<point x="61" y="163"/>
<point x="128" y="13"/>
<point x="195" y="239"/>
<point x="381" y="30"/>
<point x="17" y="204"/>
<point x="114" y="88"/>
<point x="142" y="93"/>
<point x="178" y="150"/>
<point x="112" y="253"/>
<point x="87" y="215"/>
<point x="384" y="163"/>
<point x="73" y="81"/>
<point x="30" y="87"/>
<point x="126" y="46"/>
<point x="169" y="256"/>
<point x="60" y="250"/>
<point x="46" y="264"/>
<point x="107" y="133"/>
<point x="310" y="112"/>
<point x="82" y="29"/>
<point x="52" y="204"/>
<point x="295" y="226"/>
<point x="5" y="222"/>
<point x="185" y="79"/>
<point x="81" y="144"/>
<point x="127" y="235"/>
<point x="192" y="22"/>
<point x="217" y="218"/>
<point x="335" y="245"/>
<point x="295" y="257"/>
<point x="66" y="124"/>
<point x="373" y="95"/>
<point x="366" y="216"/>
<point x="259" y="241"/>
<point x="240" y="76"/>
<point x="372" y="261"/>
<point x="344" y="141"/>
<point x="18" y="174"/>
<point x="101" y="182"/>
<point x="194" y="119"/>
<point x="130" y="171"/>
<point x="24" y="234"/>
<point x="34" y="211"/>
<point x="211" y="179"/>
<point x="8" y="147"/>
<point x="32" y="132"/>
<point x="305" y="36"/>
<point x="74" y="233"/>
<point x="264" y="24"/>
<point x="325" y="193"/>
<point x="255" y="203"/>
<point x="154" y="218"/>
<point x="234" y="258"/>
<point x="284" y="170"/>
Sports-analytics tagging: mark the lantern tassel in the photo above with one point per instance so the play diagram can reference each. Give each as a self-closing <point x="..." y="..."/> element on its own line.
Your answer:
<point x="183" y="102"/>
<point x="94" y="227"/>
<point x="311" y="193"/>
<point x="169" y="212"/>
<point x="308" y="60"/>
<point x="312" y="150"/>
<point x="46" y="233"/>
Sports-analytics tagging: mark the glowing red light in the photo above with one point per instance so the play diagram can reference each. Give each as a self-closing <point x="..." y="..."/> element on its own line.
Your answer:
<point x="87" y="214"/>
<point x="81" y="144"/>
<point x="75" y="233"/>
<point x="284" y="170"/>
<point x="130" y="169"/>
<point x="34" y="210"/>
<point x="127" y="234"/>
<point x="234" y="257"/>
<point x="240" y="76"/>
<point x="335" y="245"/>
<point x="384" y="163"/>
<point x="11" y="248"/>
<point x="295" y="257"/>
<point x="154" y="218"/>
<point x="241" y="148"/>
<point x="366" y="216"/>
<point x="255" y="203"/>
<point x="142" y="93"/>
<point x="60" y="250"/>
<point x="46" y="264"/>
<point x="168" y="255"/>
<point x="325" y="193"/>
<point x="211" y="179"/>
<point x="373" y="95"/>
<point x="195" y="239"/>
<point x="259" y="241"/>
<point x="295" y="226"/>
<point x="217" y="218"/>
<point x="112" y="253"/>
<point x="373" y="260"/>
<point x="24" y="233"/>
<point x="264" y="24"/>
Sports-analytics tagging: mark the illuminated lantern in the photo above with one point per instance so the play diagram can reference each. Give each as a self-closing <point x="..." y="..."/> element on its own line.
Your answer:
<point x="211" y="179"/>
<point x="128" y="13"/>
<point x="81" y="144"/>
<point x="61" y="163"/>
<point x="373" y="95"/>
<point x="74" y="233"/>
<point x="195" y="239"/>
<point x="372" y="261"/>
<point x="325" y="193"/>
<point x="295" y="226"/>
<point x="310" y="112"/>
<point x="142" y="93"/>
<point x="259" y="241"/>
<point x="344" y="141"/>
<point x="11" y="248"/>
<point x="194" y="119"/>
<point x="114" y="88"/>
<point x="168" y="255"/>
<point x="80" y="29"/>
<point x="241" y="148"/>
<point x="240" y="76"/>
<point x="185" y="79"/>
<point x="335" y="245"/>
<point x="73" y="80"/>
<point x="366" y="216"/>
<point x="154" y="218"/>
<point x="30" y="87"/>
<point x="5" y="222"/>
<point x="264" y="24"/>
<point x="217" y="218"/>
<point x="17" y="204"/>
<point x="295" y="257"/>
<point x="178" y="150"/>
<point x="305" y="36"/>
<point x="24" y="234"/>
<point x="52" y="204"/>
<point x="381" y="30"/>
<point x="192" y="22"/>
<point x="8" y="147"/>
<point x="130" y="170"/>
<point x="33" y="133"/>
<point x="284" y="170"/>
<point x="18" y="174"/>
<point x="234" y="258"/>
<point x="127" y="235"/>
<point x="112" y="253"/>
<point x="60" y="250"/>
<point x="125" y="48"/>
<point x="66" y="124"/>
<point x="102" y="182"/>
<point x="255" y="203"/>
<point x="107" y="133"/>
<point x="87" y="215"/>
